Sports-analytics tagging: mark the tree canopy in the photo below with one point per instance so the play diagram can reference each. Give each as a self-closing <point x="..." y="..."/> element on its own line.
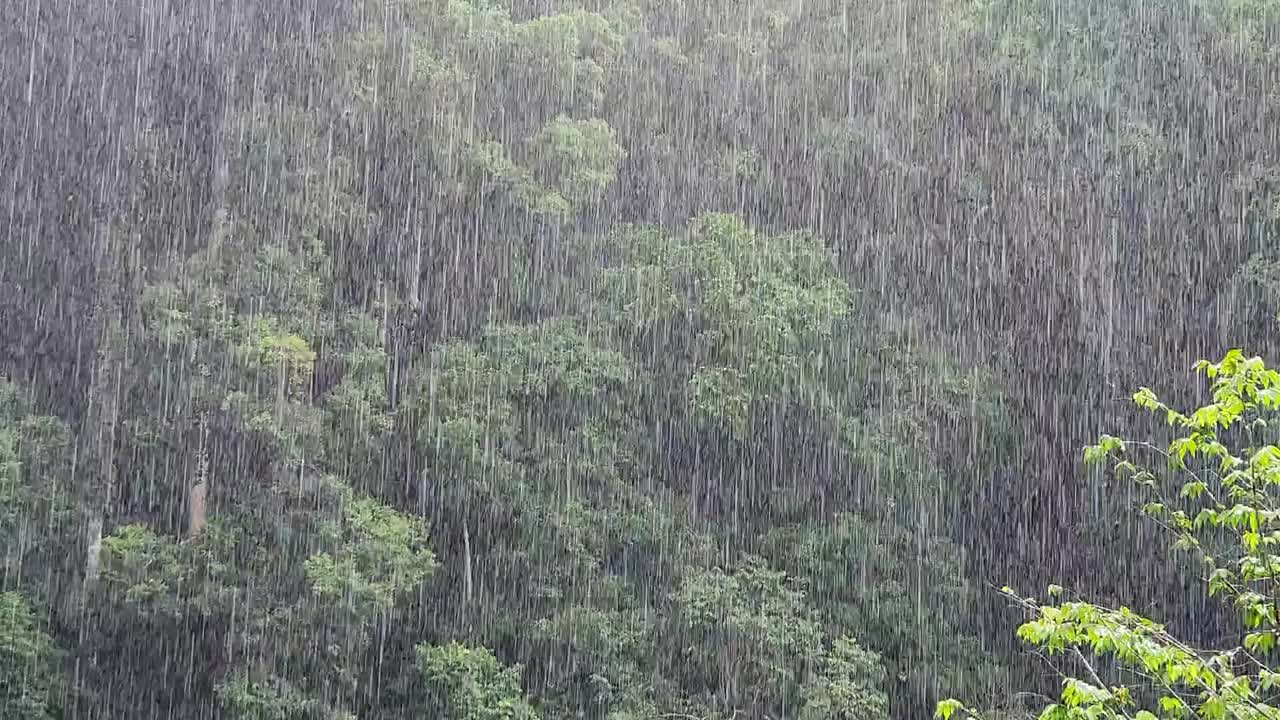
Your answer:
<point x="616" y="359"/>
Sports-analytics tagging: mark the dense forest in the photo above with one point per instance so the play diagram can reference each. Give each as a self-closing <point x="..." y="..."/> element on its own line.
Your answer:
<point x="636" y="359"/>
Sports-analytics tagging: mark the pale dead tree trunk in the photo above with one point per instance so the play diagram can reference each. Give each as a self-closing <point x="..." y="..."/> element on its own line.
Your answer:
<point x="282" y="382"/>
<point x="395" y="353"/>
<point x="415" y="278"/>
<point x="124" y="108"/>
<point x="99" y="431"/>
<point x="96" y="441"/>
<point x="198" y="488"/>
<point x="196" y="494"/>
<point x="468" y="580"/>
<point x="220" y="182"/>
<point x="392" y="370"/>
<point x="1109" y="306"/>
<point x="196" y="516"/>
<point x="729" y="673"/>
<point x="848" y="90"/>
<point x="423" y="480"/>
<point x="414" y="216"/>
<point x="115" y="321"/>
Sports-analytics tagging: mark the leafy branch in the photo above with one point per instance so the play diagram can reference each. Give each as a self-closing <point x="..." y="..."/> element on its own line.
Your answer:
<point x="1237" y="499"/>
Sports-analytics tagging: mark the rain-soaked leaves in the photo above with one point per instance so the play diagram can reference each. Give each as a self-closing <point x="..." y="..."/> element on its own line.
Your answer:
<point x="1175" y="677"/>
<point x="635" y="359"/>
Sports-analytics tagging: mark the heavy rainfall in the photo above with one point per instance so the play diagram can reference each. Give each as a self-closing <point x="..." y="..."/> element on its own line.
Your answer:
<point x="639" y="359"/>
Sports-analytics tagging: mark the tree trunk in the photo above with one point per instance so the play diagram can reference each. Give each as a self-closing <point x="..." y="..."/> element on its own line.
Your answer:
<point x="99" y="432"/>
<point x="196" y="509"/>
<point x="197" y="490"/>
<point x="282" y="390"/>
<point x="468" y="583"/>
<point x="93" y="551"/>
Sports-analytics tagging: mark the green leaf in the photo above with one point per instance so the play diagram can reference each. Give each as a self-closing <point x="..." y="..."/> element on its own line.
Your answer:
<point x="1260" y="642"/>
<point x="946" y="708"/>
<point x="1146" y="399"/>
<point x="1193" y="489"/>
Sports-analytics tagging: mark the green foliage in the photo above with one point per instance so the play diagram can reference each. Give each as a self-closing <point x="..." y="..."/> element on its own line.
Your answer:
<point x="491" y="158"/>
<point x="365" y="560"/>
<point x="878" y="580"/>
<point x="848" y="685"/>
<point x="358" y="424"/>
<point x="747" y="322"/>
<point x="610" y="650"/>
<point x="377" y="271"/>
<point x="756" y="640"/>
<point x="465" y="683"/>
<point x="246" y="700"/>
<point x="377" y="554"/>
<point x="481" y="393"/>
<point x="752" y="602"/>
<point x="27" y="663"/>
<point x="158" y="575"/>
<point x="580" y="157"/>
<point x="36" y="510"/>
<point x="1202" y="491"/>
<point x="757" y="302"/>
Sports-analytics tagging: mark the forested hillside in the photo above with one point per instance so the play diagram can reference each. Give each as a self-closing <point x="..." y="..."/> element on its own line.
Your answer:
<point x="601" y="359"/>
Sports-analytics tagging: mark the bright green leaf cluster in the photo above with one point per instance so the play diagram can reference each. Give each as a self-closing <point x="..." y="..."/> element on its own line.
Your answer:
<point x="466" y="683"/>
<point x="1220" y="502"/>
<point x="380" y="554"/>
